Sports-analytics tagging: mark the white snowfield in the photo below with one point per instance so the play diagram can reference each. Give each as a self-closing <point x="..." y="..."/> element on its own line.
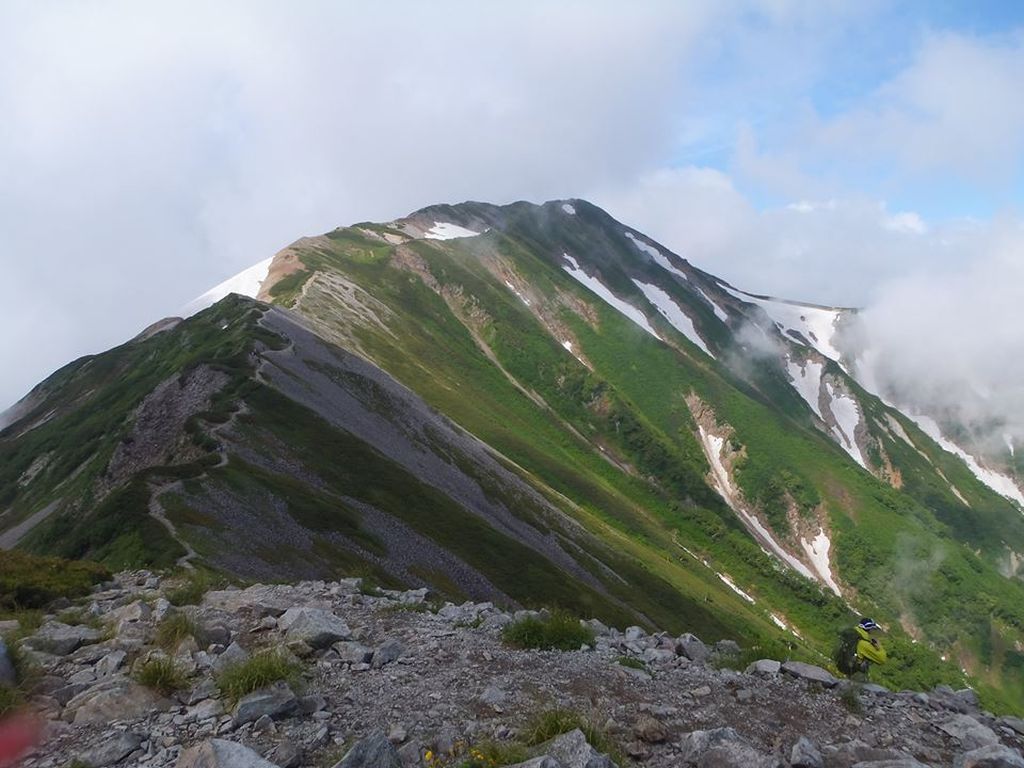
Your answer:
<point x="720" y="313"/>
<point x="817" y="552"/>
<point x="847" y="415"/>
<point x="806" y="377"/>
<point x="815" y="324"/>
<point x="998" y="482"/>
<point x="712" y="445"/>
<point x="247" y="283"/>
<point x="596" y="286"/>
<point x="674" y="314"/>
<point x="443" y="230"/>
<point x="659" y="258"/>
<point x="567" y="207"/>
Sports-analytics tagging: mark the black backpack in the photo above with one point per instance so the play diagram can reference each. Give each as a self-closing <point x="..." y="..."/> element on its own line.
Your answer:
<point x="845" y="655"/>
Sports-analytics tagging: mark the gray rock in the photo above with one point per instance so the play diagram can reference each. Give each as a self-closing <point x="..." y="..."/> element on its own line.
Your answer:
<point x="288" y="754"/>
<point x="727" y="648"/>
<point x="634" y="633"/>
<point x="544" y="761"/>
<point x="969" y="732"/>
<point x="902" y="762"/>
<point x="1014" y="723"/>
<point x="721" y="748"/>
<point x="61" y="639"/>
<point x="991" y="756"/>
<point x="692" y="647"/>
<point x="233" y="654"/>
<point x="219" y="753"/>
<point x="352" y="652"/>
<point x="493" y="696"/>
<point x="572" y="750"/>
<point x="810" y="673"/>
<point x="110" y="663"/>
<point x="375" y="751"/>
<point x="276" y="701"/>
<point x="764" y="667"/>
<point x="855" y="752"/>
<point x="206" y="710"/>
<point x="659" y="655"/>
<point x="314" y="627"/>
<point x="114" y="748"/>
<point x="216" y="634"/>
<point x="386" y="653"/>
<point x="117" y="699"/>
<point x="8" y="675"/>
<point x="806" y="754"/>
<point x="205" y="689"/>
<point x="137" y="611"/>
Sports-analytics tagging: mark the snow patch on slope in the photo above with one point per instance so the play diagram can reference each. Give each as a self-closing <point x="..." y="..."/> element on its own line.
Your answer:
<point x="674" y="314"/>
<point x="732" y="585"/>
<point x="522" y="298"/>
<point x="568" y="209"/>
<point x="1000" y="483"/>
<point x="720" y="313"/>
<point x="247" y="283"/>
<point x="712" y="445"/>
<point x="817" y="552"/>
<point x="596" y="286"/>
<point x="806" y="378"/>
<point x="659" y="258"/>
<point x="847" y="415"/>
<point x="815" y="324"/>
<point x="445" y="231"/>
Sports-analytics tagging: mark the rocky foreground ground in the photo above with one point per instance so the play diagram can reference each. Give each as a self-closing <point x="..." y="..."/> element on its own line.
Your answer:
<point x="386" y="683"/>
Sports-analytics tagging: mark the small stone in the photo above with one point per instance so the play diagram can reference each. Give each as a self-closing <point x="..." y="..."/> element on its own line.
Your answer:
<point x="702" y="691"/>
<point x="493" y="697"/>
<point x="386" y="653"/>
<point x="264" y="724"/>
<point x="744" y="695"/>
<point x="692" y="648"/>
<point x="764" y="667"/>
<point x="288" y="754"/>
<point x="397" y="734"/>
<point x="351" y="652"/>
<point x="316" y="628"/>
<point x="110" y="663"/>
<point x="649" y="729"/>
<point x="233" y="654"/>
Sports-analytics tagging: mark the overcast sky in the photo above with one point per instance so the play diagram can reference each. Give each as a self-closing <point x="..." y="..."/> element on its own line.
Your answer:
<point x="867" y="154"/>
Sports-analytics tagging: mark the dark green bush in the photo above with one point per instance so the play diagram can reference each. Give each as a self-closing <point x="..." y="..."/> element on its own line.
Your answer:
<point x="560" y="631"/>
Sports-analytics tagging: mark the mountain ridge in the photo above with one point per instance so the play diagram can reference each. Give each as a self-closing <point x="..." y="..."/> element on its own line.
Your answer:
<point x="654" y="409"/>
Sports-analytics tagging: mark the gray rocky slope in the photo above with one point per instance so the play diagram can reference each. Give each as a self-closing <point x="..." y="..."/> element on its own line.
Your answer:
<point x="390" y="681"/>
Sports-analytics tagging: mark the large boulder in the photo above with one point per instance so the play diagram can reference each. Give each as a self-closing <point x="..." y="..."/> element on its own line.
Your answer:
<point x="969" y="732"/>
<point x="113" y="749"/>
<point x="992" y="756"/>
<point x="721" y="748"/>
<point x="117" y="699"/>
<point x="572" y="750"/>
<point x="276" y="701"/>
<point x="375" y="751"/>
<point x="314" y="627"/>
<point x="692" y="647"/>
<point x="219" y="753"/>
<point x="806" y="754"/>
<point x="810" y="673"/>
<point x="61" y="639"/>
<point x="764" y="667"/>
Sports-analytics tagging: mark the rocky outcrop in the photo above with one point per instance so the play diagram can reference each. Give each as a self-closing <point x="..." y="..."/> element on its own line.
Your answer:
<point x="393" y="678"/>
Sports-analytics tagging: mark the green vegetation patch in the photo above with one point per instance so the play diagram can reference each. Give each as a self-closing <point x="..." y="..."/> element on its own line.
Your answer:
<point x="257" y="672"/>
<point x="32" y="581"/>
<point x="162" y="675"/>
<point x="559" y="631"/>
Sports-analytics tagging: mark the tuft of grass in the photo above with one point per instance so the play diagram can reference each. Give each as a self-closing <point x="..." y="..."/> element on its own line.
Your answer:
<point x="174" y="629"/>
<point x="79" y="617"/>
<point x="260" y="670"/>
<point x="10" y="699"/>
<point x="549" y="723"/>
<point x="161" y="675"/>
<point x="192" y="589"/>
<point x="562" y="631"/>
<point x="850" y="698"/>
<point x="632" y="663"/>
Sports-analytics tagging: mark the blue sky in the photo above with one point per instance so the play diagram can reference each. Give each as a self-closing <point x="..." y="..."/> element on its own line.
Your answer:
<point x="811" y="149"/>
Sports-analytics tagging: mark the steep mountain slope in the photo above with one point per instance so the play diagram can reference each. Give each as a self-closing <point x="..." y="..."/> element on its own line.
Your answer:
<point x="622" y="434"/>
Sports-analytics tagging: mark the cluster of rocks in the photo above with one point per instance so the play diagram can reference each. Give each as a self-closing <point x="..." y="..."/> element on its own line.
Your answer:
<point x="390" y="682"/>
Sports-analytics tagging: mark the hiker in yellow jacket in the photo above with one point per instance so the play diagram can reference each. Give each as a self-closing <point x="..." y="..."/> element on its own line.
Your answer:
<point x="858" y="649"/>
